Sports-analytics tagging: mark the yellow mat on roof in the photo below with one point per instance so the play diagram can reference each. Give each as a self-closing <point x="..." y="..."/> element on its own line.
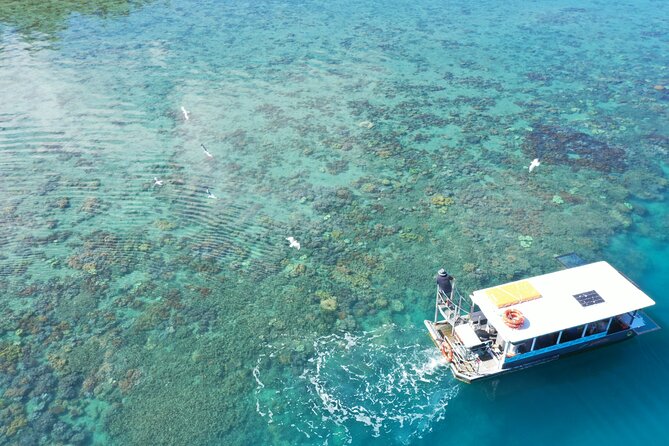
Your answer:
<point x="512" y="293"/>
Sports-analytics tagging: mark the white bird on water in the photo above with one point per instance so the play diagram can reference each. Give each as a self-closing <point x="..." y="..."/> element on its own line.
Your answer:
<point x="293" y="243"/>
<point x="207" y="152"/>
<point x="185" y="112"/>
<point x="210" y="195"/>
<point x="535" y="162"/>
<point x="157" y="182"/>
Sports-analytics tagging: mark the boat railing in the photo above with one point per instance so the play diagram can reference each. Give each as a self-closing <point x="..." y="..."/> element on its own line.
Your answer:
<point x="452" y="307"/>
<point x="463" y="358"/>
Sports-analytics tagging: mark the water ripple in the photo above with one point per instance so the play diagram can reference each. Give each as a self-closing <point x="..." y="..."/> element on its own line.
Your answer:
<point x="354" y="386"/>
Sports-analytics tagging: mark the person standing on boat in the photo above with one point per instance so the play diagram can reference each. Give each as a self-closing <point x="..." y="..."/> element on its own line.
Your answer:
<point x="445" y="282"/>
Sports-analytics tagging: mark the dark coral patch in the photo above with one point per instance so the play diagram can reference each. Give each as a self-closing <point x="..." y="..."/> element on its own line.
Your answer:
<point x="559" y="145"/>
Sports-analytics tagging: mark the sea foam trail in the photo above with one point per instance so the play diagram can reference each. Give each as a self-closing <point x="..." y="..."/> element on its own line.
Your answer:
<point x="354" y="386"/>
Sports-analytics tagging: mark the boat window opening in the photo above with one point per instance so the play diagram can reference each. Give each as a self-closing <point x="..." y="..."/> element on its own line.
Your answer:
<point x="547" y="340"/>
<point x="626" y="318"/>
<point x="585" y="327"/>
<point x="571" y="334"/>
<point x="524" y="347"/>
<point x="618" y="323"/>
<point x="597" y="327"/>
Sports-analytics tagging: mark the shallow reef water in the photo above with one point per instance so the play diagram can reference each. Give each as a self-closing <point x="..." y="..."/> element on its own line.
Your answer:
<point x="355" y="385"/>
<point x="148" y="294"/>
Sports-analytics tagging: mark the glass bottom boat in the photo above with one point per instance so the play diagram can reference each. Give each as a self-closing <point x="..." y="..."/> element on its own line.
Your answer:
<point x="528" y="322"/>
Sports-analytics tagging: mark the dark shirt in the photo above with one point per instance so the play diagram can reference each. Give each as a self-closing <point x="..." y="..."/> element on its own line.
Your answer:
<point x="445" y="283"/>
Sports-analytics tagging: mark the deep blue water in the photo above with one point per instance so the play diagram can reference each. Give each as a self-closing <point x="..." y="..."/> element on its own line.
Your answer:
<point x="149" y="294"/>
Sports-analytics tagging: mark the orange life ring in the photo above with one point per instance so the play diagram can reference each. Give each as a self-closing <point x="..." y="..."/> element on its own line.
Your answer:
<point x="513" y="318"/>
<point x="447" y="351"/>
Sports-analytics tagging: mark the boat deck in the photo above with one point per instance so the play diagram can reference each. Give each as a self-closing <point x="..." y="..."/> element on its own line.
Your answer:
<point x="470" y="367"/>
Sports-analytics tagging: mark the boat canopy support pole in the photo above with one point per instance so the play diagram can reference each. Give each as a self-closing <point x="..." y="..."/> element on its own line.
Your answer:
<point x="507" y="344"/>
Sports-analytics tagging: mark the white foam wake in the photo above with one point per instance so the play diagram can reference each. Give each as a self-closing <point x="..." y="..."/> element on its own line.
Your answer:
<point x="355" y="386"/>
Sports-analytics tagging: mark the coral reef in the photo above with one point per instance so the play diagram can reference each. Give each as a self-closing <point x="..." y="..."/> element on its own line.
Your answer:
<point x="138" y="314"/>
<point x="525" y="241"/>
<point x="559" y="145"/>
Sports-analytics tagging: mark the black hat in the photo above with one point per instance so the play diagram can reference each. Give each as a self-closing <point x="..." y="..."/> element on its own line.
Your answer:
<point x="442" y="272"/>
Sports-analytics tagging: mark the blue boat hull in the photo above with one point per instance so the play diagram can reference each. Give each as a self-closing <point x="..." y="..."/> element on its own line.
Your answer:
<point x="538" y="358"/>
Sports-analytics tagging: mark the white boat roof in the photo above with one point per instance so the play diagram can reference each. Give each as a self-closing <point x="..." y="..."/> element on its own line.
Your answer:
<point x="557" y="308"/>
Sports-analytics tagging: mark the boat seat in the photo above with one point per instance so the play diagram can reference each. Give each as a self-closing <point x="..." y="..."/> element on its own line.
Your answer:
<point x="483" y="334"/>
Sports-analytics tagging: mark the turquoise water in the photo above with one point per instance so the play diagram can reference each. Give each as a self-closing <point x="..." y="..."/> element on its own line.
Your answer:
<point x="390" y="139"/>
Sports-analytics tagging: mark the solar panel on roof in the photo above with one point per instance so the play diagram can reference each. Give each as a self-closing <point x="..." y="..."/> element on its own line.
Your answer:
<point x="589" y="298"/>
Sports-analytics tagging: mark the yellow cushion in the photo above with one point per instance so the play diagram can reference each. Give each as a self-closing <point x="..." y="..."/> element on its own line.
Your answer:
<point x="512" y="293"/>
